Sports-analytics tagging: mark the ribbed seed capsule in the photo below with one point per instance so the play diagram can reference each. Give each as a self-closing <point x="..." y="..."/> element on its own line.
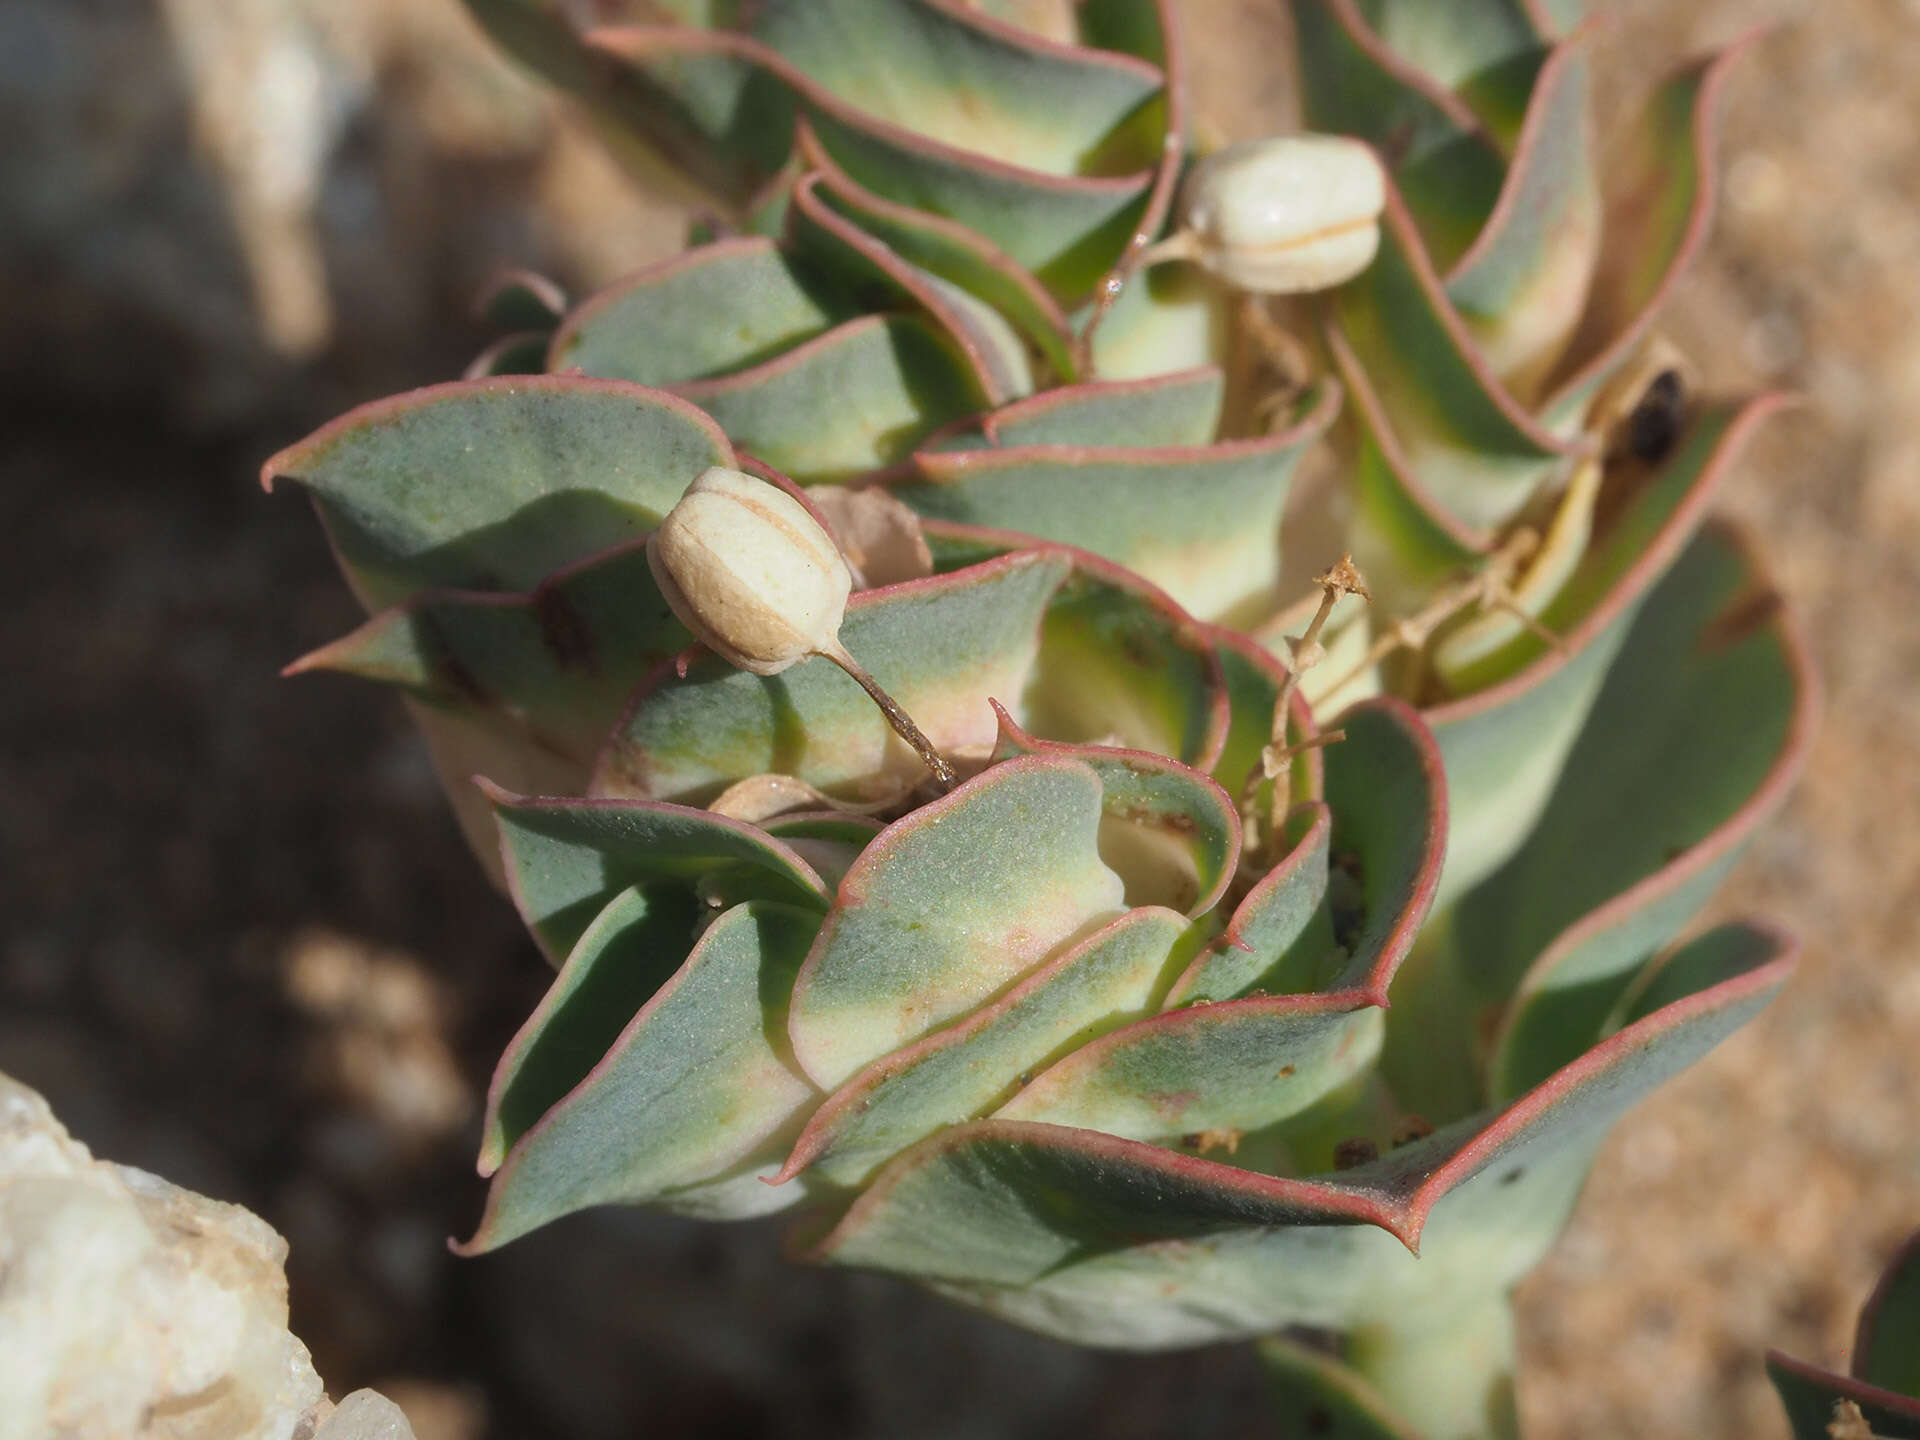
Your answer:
<point x="1283" y="215"/>
<point x="750" y="572"/>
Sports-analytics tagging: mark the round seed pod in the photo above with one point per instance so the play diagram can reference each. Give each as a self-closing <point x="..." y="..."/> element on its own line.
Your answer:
<point x="1287" y="214"/>
<point x="750" y="572"/>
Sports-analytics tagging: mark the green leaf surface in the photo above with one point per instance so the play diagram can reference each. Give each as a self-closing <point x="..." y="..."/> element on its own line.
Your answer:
<point x="550" y="668"/>
<point x="623" y="955"/>
<point x="1068" y="232"/>
<point x="1211" y="540"/>
<point x="1224" y="1068"/>
<point x="567" y="858"/>
<point x="1462" y="444"/>
<point x="1180" y="410"/>
<point x="1506" y="742"/>
<point x="961" y="1072"/>
<point x="936" y="71"/>
<point x="1522" y="285"/>
<point x="1119" y="664"/>
<point x="1697" y="734"/>
<point x="1657" y="202"/>
<point x="1107" y="1241"/>
<point x="1318" y="1398"/>
<point x="1169" y="832"/>
<point x="696" y="1090"/>
<point x="522" y="353"/>
<point x="713" y="310"/>
<point x="1284" y="915"/>
<point x="1443" y="159"/>
<point x="521" y="300"/>
<point x="951" y="251"/>
<point x="950" y="905"/>
<point x="1455" y="43"/>
<point x="993" y="349"/>
<point x="942" y="647"/>
<point x="495" y="484"/>
<point x="855" y="399"/>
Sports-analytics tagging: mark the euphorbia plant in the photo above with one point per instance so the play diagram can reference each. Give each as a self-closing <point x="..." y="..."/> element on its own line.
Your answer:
<point x="1299" y="925"/>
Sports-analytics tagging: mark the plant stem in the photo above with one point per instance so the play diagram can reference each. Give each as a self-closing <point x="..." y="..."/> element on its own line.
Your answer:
<point x="1450" y="1372"/>
<point x="901" y="721"/>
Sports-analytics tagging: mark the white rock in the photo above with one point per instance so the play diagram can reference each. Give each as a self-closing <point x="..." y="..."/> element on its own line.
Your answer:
<point x="132" y="1308"/>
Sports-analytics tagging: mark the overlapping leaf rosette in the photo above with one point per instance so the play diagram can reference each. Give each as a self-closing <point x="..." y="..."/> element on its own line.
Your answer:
<point x="1101" y="1040"/>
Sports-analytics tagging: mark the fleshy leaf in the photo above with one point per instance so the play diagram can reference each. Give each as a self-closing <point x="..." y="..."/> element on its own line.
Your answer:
<point x="960" y="1072"/>
<point x="1462" y="444"/>
<point x="1120" y="664"/>
<point x="1109" y="1241"/>
<point x="521" y="300"/>
<point x="694" y="1092"/>
<point x="1180" y="410"/>
<point x="567" y="858"/>
<point x="855" y="399"/>
<point x="1505" y="743"/>
<point x="1246" y="1063"/>
<point x="1169" y="832"/>
<point x="1285" y="913"/>
<point x="1699" y="730"/>
<point x="953" y="252"/>
<point x="1211" y="541"/>
<point x="1659" y="178"/>
<point x="1065" y="228"/>
<point x="1522" y="285"/>
<point x="941" y="646"/>
<point x="711" y="311"/>
<point x="1321" y="1399"/>
<point x="964" y="82"/>
<point x="954" y="902"/>
<point x="550" y="668"/>
<point x="993" y="349"/>
<point x="494" y="484"/>
<point x="1442" y="156"/>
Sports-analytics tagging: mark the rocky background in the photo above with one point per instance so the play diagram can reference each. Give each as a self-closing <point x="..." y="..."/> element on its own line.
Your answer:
<point x="244" y="948"/>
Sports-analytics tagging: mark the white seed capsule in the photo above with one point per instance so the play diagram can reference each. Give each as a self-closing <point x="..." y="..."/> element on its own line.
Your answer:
<point x="750" y="572"/>
<point x="1287" y="214"/>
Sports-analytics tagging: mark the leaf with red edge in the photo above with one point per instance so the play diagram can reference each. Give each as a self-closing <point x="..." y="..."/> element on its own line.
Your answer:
<point x="1522" y="284"/>
<point x="1107" y="1241"/>
<point x="1202" y="523"/>
<point x="952" y="904"/>
<point x="567" y="858"/>
<point x="494" y="484"/>
<point x="549" y="668"/>
<point x="962" y="1071"/>
<point x="710" y="311"/>
<point x="1699" y="731"/>
<point x="695" y="1097"/>
<point x="942" y="647"/>
<point x="1506" y="741"/>
<point x="1886" y="1351"/>
<point x="1168" y="831"/>
<point x="1241" y="1064"/>
<point x="1657" y="202"/>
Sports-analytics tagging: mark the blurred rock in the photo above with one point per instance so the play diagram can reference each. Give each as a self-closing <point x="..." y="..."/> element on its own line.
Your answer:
<point x="130" y="1307"/>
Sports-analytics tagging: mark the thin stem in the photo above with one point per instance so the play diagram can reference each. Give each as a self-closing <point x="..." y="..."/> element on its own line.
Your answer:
<point x="901" y="721"/>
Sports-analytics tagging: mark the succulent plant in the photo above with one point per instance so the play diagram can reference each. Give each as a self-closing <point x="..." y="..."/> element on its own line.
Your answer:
<point x="1100" y="1040"/>
<point x="1879" y="1397"/>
